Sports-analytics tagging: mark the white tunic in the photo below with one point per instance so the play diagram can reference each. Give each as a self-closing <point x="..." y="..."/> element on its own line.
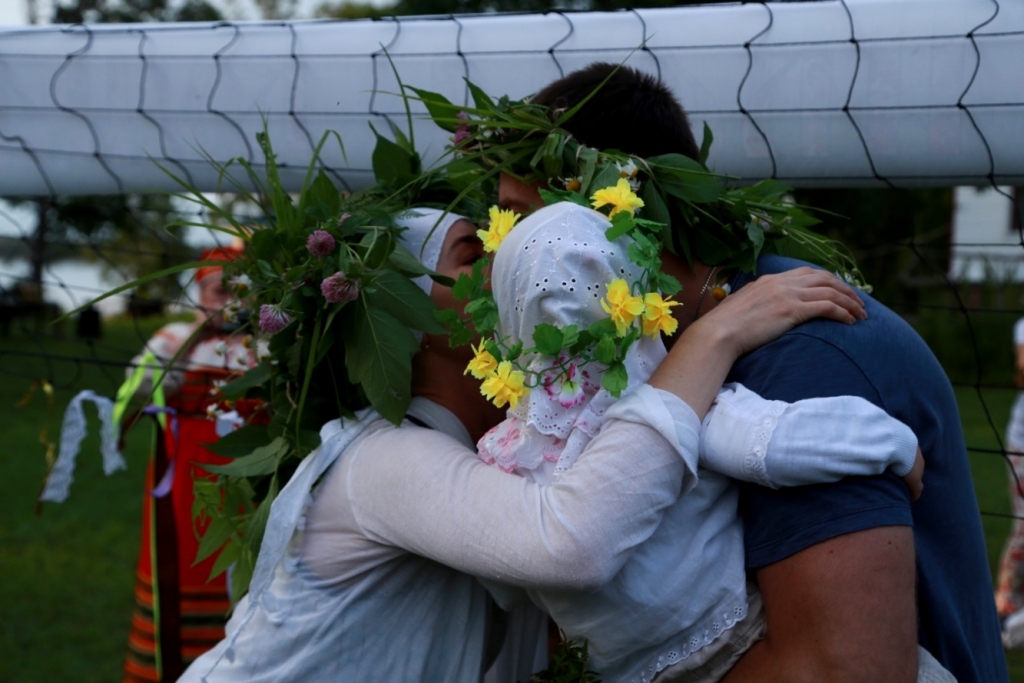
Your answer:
<point x="361" y="593"/>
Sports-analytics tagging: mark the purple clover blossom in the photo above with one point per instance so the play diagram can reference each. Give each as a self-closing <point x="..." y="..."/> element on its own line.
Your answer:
<point x="338" y="289"/>
<point x="462" y="132"/>
<point x="273" y="319"/>
<point x="320" y="243"/>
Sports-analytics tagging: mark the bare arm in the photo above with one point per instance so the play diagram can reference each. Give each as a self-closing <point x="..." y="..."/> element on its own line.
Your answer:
<point x="839" y="611"/>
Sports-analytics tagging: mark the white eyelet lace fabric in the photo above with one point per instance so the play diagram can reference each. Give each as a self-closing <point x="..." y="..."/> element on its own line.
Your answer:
<point x="754" y="459"/>
<point x="554" y="267"/>
<point x="726" y="620"/>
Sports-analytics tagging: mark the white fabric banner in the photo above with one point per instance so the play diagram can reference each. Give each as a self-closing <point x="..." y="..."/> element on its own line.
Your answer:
<point x="830" y="93"/>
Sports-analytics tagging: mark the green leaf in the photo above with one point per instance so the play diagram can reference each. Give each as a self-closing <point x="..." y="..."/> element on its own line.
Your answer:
<point x="668" y="285"/>
<point x="227" y="557"/>
<point x="379" y="244"/>
<point x="606" y="350"/>
<point x="322" y="199"/>
<point x="756" y="234"/>
<point x="265" y="245"/>
<point x="253" y="378"/>
<point x="403" y="299"/>
<point x="240" y="442"/>
<point x="403" y="261"/>
<point x="438" y="107"/>
<point x="308" y="440"/>
<point x="584" y="340"/>
<point x="281" y="201"/>
<point x="691" y="187"/>
<point x="555" y="196"/>
<point x="705" y="145"/>
<point x="516" y="350"/>
<point x="622" y="223"/>
<point x="709" y="248"/>
<point x="263" y="460"/>
<point x="549" y="154"/>
<point x="615" y="379"/>
<point x="655" y="208"/>
<point x="484" y="312"/>
<point x="570" y="335"/>
<point x="601" y="328"/>
<point x="378" y="356"/>
<point x="548" y="339"/>
<point x="587" y="165"/>
<point x="463" y="287"/>
<point x="678" y="163"/>
<point x="685" y="178"/>
<point x="391" y="163"/>
<point x="607" y="175"/>
<point x="480" y="98"/>
<point x="216" y="535"/>
<point x="241" y="575"/>
<point x="769" y="188"/>
<point x="258" y="522"/>
<point x="458" y="333"/>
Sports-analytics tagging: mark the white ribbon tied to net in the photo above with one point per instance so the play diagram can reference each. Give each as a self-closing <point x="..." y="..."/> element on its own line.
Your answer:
<point x="73" y="430"/>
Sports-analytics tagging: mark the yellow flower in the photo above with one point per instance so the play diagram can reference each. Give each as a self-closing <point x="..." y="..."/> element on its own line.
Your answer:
<point x="658" y="315"/>
<point x="505" y="385"/>
<point x="483" y="363"/>
<point x="621" y="306"/>
<point x="501" y="224"/>
<point x="621" y="197"/>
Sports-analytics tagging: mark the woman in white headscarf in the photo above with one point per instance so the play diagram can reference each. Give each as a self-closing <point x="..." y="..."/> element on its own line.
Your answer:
<point x="369" y="576"/>
<point x="670" y="612"/>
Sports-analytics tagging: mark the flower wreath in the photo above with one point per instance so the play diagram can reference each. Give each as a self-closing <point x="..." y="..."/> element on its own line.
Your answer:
<point x="635" y="308"/>
<point x="723" y="226"/>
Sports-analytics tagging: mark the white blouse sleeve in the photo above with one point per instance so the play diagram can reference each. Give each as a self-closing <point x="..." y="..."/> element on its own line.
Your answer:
<point x="818" y="440"/>
<point x="420" y="490"/>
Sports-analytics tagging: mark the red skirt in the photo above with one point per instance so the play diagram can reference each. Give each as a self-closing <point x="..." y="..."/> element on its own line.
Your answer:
<point x="180" y="611"/>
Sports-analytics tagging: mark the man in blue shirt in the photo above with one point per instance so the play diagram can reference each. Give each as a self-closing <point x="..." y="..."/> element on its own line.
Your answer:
<point x="852" y="575"/>
<point x="884" y="361"/>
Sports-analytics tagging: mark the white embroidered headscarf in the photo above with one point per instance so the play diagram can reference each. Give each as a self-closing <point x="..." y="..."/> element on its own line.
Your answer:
<point x="424" y="240"/>
<point x="554" y="267"/>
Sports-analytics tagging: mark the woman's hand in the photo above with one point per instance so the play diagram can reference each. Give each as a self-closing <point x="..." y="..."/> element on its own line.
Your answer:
<point x="770" y="306"/>
<point x="760" y="312"/>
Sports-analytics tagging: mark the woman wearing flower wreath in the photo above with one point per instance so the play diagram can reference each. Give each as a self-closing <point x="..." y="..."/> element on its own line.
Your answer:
<point x="679" y="607"/>
<point x="366" y="569"/>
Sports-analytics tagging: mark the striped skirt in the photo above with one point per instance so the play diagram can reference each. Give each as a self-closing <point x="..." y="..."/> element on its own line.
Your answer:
<point x="179" y="611"/>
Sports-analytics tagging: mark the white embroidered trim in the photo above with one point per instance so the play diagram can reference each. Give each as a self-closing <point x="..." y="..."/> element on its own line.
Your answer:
<point x="757" y="447"/>
<point x="727" y="618"/>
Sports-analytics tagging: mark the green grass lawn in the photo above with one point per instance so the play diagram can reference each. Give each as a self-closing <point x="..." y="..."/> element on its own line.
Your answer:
<point x="66" y="576"/>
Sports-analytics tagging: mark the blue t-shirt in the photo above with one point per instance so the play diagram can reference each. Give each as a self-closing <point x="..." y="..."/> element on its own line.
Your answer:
<point x="883" y="360"/>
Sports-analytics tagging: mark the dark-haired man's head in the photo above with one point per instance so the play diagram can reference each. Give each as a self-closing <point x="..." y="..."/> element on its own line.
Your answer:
<point x="633" y="112"/>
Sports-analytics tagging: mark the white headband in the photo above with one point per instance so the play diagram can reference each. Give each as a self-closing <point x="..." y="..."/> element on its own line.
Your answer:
<point x="425" y="237"/>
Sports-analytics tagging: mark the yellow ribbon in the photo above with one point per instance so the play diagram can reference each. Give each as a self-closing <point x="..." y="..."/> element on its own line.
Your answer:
<point x="134" y="381"/>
